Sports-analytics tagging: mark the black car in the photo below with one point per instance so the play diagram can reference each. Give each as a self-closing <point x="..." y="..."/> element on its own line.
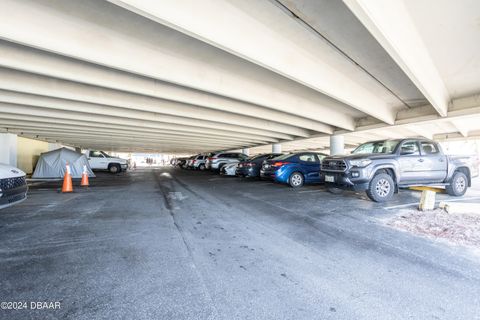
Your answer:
<point x="251" y="167"/>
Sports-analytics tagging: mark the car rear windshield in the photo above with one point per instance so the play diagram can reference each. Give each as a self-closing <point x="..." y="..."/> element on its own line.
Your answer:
<point x="283" y="156"/>
<point x="258" y="156"/>
<point x="384" y="146"/>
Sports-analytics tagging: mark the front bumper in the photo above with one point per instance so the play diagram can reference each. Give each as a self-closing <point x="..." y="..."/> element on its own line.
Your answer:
<point x="124" y="166"/>
<point x="13" y="196"/>
<point x="347" y="180"/>
<point x="267" y="174"/>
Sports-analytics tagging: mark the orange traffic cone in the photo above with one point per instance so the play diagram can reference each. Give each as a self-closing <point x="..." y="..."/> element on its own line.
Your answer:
<point x="67" y="181"/>
<point x="84" y="182"/>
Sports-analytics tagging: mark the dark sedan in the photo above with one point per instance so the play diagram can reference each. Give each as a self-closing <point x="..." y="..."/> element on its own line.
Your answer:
<point x="251" y="167"/>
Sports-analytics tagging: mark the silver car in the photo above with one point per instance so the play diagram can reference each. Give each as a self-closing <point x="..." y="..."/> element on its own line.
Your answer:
<point x="198" y="162"/>
<point x="217" y="161"/>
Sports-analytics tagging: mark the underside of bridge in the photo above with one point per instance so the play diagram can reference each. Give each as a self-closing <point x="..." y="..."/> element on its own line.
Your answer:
<point x="191" y="76"/>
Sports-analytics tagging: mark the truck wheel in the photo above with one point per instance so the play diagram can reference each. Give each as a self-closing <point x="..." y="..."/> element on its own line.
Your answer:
<point x="458" y="184"/>
<point x="334" y="190"/>
<point x="381" y="188"/>
<point x="296" y="180"/>
<point x="114" y="168"/>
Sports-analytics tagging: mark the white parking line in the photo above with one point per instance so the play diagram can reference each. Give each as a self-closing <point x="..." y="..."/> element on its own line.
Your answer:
<point x="438" y="201"/>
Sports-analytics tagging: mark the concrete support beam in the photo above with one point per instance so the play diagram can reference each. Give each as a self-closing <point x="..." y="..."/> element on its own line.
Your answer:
<point x="25" y="89"/>
<point x="276" y="148"/>
<point x="39" y="62"/>
<point x="390" y="23"/>
<point x="8" y="149"/>
<point x="160" y="53"/>
<point x="246" y="151"/>
<point x="462" y="130"/>
<point x="264" y="45"/>
<point x="337" y="144"/>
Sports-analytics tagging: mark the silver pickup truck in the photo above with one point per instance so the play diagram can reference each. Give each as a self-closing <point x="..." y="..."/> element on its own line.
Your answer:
<point x="382" y="167"/>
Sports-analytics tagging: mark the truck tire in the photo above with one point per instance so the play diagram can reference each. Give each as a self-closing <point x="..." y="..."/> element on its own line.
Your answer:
<point x="296" y="180"/>
<point x="114" y="168"/>
<point x="381" y="188"/>
<point x="458" y="184"/>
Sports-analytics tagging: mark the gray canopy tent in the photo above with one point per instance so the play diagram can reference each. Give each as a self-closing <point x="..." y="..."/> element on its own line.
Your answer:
<point x="52" y="164"/>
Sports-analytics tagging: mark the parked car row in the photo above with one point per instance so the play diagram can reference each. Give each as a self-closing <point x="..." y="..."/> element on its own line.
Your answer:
<point x="380" y="168"/>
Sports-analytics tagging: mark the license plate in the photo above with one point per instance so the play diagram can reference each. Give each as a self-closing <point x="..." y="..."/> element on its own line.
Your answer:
<point x="329" y="179"/>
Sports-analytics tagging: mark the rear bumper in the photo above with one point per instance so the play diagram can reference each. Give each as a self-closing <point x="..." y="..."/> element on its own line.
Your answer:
<point x="248" y="172"/>
<point x="13" y="196"/>
<point x="267" y="174"/>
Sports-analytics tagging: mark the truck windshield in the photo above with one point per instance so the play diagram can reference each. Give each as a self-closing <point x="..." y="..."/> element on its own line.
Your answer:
<point x="106" y="155"/>
<point x="385" y="146"/>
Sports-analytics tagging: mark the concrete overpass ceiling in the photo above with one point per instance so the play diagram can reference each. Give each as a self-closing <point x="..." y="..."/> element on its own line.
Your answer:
<point x="177" y="76"/>
<point x="451" y="32"/>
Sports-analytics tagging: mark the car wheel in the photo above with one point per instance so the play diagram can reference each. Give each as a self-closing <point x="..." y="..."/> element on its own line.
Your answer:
<point x="296" y="180"/>
<point x="334" y="190"/>
<point x="458" y="184"/>
<point x="381" y="188"/>
<point x="201" y="167"/>
<point x="114" y="168"/>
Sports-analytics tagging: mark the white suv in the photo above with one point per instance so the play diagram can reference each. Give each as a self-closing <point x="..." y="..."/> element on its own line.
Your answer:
<point x="218" y="161"/>
<point x="13" y="186"/>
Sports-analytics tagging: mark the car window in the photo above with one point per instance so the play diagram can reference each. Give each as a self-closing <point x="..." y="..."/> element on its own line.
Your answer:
<point x="258" y="156"/>
<point x="410" y="148"/>
<point x="96" y="154"/>
<point x="429" y="147"/>
<point x="221" y="155"/>
<point x="271" y="156"/>
<point x="283" y="156"/>
<point x="321" y="156"/>
<point x="308" y="157"/>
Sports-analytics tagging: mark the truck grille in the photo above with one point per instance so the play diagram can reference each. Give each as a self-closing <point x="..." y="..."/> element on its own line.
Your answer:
<point x="12" y="183"/>
<point x="334" y="165"/>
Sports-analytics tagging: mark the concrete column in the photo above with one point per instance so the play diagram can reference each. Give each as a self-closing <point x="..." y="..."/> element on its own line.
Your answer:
<point x="246" y="151"/>
<point x="8" y="149"/>
<point x="78" y="149"/>
<point x="337" y="144"/>
<point x="276" y="148"/>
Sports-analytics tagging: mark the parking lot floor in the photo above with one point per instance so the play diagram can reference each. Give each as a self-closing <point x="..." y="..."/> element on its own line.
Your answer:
<point x="165" y="243"/>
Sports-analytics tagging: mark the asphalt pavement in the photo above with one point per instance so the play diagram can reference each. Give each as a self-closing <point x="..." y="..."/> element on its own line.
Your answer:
<point x="173" y="244"/>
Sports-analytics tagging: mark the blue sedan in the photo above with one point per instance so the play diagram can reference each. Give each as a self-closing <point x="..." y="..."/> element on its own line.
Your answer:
<point x="294" y="169"/>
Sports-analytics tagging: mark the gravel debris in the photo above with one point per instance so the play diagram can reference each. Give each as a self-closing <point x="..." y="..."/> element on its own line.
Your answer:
<point x="458" y="229"/>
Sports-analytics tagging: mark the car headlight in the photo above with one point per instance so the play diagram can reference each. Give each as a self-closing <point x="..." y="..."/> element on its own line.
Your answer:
<point x="360" y="163"/>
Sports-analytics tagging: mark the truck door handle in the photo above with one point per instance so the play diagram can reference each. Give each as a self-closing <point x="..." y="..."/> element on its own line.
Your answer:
<point x="420" y="160"/>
